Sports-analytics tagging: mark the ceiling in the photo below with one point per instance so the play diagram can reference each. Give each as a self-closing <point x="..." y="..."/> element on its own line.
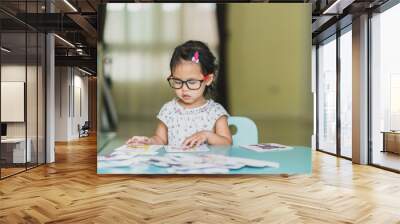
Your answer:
<point x="77" y="25"/>
<point x="76" y="22"/>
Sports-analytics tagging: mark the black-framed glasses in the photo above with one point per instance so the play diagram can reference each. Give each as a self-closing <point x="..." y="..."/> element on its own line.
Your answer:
<point x="192" y="84"/>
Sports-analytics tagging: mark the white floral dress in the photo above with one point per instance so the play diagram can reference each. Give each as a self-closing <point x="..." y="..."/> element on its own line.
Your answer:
<point x="182" y="122"/>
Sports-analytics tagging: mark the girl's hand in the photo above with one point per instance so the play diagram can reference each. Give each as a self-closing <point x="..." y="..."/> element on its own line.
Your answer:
<point x="196" y="139"/>
<point x="139" y="140"/>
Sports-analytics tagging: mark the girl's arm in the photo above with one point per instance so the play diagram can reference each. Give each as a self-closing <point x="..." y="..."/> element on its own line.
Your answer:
<point x="222" y="135"/>
<point x="161" y="135"/>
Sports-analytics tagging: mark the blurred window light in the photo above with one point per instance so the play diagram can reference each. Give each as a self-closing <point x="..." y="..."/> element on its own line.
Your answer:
<point x="207" y="6"/>
<point x="137" y="7"/>
<point x="139" y="40"/>
<point x="170" y="7"/>
<point x="115" y="6"/>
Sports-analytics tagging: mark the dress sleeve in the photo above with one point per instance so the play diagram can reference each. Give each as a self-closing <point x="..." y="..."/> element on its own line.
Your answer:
<point x="217" y="112"/>
<point x="165" y="114"/>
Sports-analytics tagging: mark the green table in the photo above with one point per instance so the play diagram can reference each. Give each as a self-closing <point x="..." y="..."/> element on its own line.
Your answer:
<point x="293" y="161"/>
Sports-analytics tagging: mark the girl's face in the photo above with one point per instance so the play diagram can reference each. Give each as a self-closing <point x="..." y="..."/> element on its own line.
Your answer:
<point x="187" y="70"/>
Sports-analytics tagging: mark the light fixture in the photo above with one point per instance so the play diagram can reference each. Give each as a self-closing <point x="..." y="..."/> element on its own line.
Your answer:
<point x="80" y="51"/>
<point x="84" y="71"/>
<point x="70" y="5"/>
<point x="5" y="50"/>
<point x="78" y="44"/>
<point x="64" y="40"/>
<point x="337" y="7"/>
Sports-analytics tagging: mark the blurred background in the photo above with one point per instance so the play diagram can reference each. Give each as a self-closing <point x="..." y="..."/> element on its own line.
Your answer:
<point x="265" y="67"/>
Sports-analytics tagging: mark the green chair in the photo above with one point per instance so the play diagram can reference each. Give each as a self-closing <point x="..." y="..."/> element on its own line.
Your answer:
<point x="246" y="131"/>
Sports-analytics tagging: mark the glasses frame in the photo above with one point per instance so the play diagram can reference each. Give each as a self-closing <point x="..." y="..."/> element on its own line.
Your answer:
<point x="186" y="82"/>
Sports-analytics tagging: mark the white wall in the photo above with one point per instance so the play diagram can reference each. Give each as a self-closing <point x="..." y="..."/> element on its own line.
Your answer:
<point x="71" y="94"/>
<point x="12" y="100"/>
<point x="17" y="73"/>
<point x="34" y="125"/>
<point x="80" y="96"/>
<point x="61" y="103"/>
<point x="14" y="73"/>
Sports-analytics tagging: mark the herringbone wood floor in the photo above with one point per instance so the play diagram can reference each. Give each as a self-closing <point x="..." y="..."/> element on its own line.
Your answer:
<point x="70" y="191"/>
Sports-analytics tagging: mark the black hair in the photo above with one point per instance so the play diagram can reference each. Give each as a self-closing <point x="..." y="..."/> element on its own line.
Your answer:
<point x="207" y="60"/>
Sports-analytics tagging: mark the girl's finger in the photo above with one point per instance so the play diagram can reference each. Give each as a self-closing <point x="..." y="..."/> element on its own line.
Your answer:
<point x="138" y="138"/>
<point x="194" y="142"/>
<point x="146" y="140"/>
<point x="135" y="138"/>
<point x="141" y="141"/>
<point x="201" y="141"/>
<point x="189" y="142"/>
<point x="186" y="142"/>
<point x="129" y="141"/>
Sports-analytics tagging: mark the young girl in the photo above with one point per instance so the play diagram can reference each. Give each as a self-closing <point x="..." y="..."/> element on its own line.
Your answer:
<point x="190" y="119"/>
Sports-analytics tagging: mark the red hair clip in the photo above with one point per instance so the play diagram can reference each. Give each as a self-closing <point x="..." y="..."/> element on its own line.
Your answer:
<point x="195" y="57"/>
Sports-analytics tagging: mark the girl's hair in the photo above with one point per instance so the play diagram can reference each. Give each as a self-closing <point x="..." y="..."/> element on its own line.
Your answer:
<point x="207" y="60"/>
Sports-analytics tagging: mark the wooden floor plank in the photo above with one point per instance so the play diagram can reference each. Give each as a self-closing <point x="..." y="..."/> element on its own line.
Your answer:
<point x="70" y="191"/>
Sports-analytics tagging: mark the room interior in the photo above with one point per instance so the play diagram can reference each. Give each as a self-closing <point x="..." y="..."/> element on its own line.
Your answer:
<point x="49" y="85"/>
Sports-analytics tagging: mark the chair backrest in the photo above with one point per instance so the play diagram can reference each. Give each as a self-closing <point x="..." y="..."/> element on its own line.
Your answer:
<point x="86" y="125"/>
<point x="246" y="130"/>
